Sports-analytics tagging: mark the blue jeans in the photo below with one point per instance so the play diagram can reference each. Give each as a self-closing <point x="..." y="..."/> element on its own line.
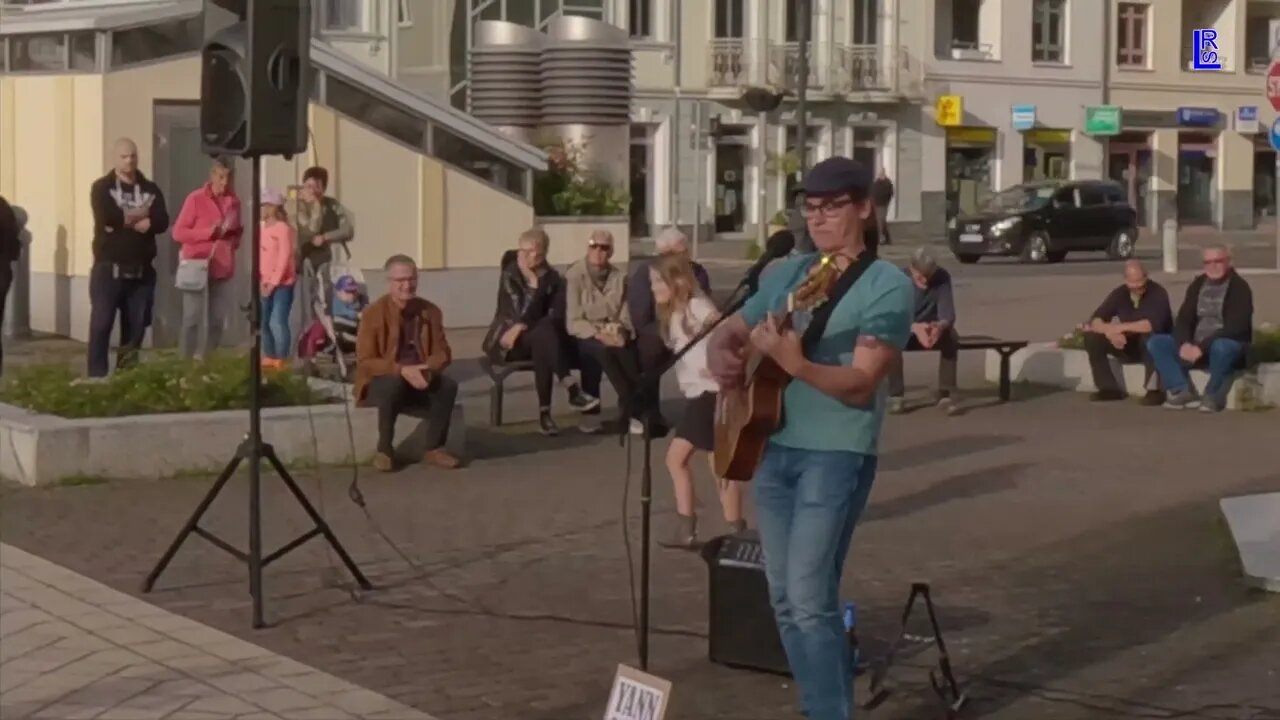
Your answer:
<point x="807" y="504"/>
<point x="1224" y="357"/>
<point x="275" y="322"/>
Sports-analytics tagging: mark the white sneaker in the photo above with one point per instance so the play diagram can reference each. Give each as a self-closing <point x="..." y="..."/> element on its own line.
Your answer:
<point x="637" y="427"/>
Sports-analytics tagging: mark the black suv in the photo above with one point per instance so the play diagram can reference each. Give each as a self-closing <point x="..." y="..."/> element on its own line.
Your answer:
<point x="1043" y="221"/>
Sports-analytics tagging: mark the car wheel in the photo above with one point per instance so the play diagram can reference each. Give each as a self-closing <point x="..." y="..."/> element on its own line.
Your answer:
<point x="968" y="259"/>
<point x="1057" y="256"/>
<point x="1123" y="244"/>
<point x="1036" y="248"/>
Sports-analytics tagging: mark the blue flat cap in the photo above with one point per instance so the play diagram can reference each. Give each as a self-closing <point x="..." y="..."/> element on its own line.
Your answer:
<point x="836" y="176"/>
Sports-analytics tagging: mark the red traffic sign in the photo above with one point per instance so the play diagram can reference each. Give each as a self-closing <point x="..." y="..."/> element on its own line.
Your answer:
<point x="1273" y="84"/>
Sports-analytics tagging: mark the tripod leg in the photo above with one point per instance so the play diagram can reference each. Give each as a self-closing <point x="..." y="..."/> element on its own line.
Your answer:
<point x="255" y="535"/>
<point x="270" y="454"/>
<point x="192" y="522"/>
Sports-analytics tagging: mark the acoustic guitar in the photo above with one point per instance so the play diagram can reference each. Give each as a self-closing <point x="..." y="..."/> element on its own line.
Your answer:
<point x="747" y="416"/>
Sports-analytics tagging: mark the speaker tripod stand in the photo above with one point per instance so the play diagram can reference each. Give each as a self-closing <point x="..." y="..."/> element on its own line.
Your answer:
<point x="254" y="451"/>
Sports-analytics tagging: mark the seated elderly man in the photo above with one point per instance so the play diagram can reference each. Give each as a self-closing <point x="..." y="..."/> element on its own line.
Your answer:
<point x="1120" y="327"/>
<point x="650" y="346"/>
<point x="934" y="328"/>
<point x="526" y="327"/>
<point x="599" y="322"/>
<point x="1214" y="327"/>
<point x="401" y="356"/>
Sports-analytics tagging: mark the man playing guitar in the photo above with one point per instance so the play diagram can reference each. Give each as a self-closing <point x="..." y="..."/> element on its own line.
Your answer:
<point x="813" y="481"/>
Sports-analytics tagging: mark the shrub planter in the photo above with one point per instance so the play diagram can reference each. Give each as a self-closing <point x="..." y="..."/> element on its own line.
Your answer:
<point x="1048" y="364"/>
<point x="45" y="449"/>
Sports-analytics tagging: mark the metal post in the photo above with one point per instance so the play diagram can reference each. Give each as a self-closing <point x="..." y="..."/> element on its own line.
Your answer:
<point x="762" y="180"/>
<point x="1169" y="245"/>
<point x="699" y="184"/>
<point x="1275" y="213"/>
<point x="804" y="10"/>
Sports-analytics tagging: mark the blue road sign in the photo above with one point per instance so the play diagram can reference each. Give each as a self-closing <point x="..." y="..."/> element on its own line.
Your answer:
<point x="1205" y="44"/>
<point x="1275" y="134"/>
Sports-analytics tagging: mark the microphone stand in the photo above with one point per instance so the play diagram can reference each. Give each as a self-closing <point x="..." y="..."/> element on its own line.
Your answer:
<point x="652" y="379"/>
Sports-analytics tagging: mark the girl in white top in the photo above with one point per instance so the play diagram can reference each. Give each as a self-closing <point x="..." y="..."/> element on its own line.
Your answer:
<point x="683" y="311"/>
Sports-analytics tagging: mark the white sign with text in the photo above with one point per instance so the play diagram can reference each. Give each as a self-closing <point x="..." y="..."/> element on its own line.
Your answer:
<point x="637" y="696"/>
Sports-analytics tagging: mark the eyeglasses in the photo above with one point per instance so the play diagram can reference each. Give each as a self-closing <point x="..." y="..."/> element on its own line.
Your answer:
<point x="600" y="246"/>
<point x="1215" y="261"/>
<point x="827" y="208"/>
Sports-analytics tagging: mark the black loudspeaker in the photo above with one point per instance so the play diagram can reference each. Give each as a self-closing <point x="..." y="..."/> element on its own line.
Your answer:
<point x="254" y="79"/>
<point x="743" y="632"/>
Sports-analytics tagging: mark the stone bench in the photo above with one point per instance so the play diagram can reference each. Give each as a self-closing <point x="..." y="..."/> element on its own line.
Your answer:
<point x="1048" y="364"/>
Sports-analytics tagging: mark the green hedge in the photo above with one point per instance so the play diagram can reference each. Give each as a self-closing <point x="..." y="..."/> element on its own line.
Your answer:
<point x="162" y="384"/>
<point x="1265" y="348"/>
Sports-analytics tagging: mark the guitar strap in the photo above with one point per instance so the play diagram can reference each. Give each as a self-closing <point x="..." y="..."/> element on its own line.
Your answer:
<point x="822" y="314"/>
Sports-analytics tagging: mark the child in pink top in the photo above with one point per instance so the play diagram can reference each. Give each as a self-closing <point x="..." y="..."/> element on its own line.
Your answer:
<point x="276" y="266"/>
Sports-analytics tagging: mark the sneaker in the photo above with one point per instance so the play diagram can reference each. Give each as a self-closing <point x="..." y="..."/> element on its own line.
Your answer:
<point x="949" y="406"/>
<point x="582" y="401"/>
<point x="1107" y="396"/>
<point x="1153" y="398"/>
<point x="589" y="423"/>
<point x="1210" y="405"/>
<point x="1183" y="400"/>
<point x="382" y="462"/>
<point x="897" y="406"/>
<point x="636" y="427"/>
<point x="546" y="425"/>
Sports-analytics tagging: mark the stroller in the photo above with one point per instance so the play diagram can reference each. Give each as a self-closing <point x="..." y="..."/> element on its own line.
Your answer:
<point x="328" y="344"/>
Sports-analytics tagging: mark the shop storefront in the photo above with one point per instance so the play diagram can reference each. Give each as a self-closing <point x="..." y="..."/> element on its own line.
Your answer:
<point x="1197" y="164"/>
<point x="1129" y="163"/>
<point x="1046" y="154"/>
<point x="971" y="155"/>
<point x="1264" y="178"/>
<point x="732" y="158"/>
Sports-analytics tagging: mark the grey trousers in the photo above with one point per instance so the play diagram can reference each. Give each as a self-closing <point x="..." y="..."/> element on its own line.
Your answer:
<point x="204" y="314"/>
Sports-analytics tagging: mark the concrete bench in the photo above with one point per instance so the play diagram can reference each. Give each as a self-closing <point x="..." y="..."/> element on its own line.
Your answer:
<point x="1067" y="368"/>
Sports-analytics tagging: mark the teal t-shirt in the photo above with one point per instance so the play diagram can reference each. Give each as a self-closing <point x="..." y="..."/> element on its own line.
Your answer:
<point x="878" y="305"/>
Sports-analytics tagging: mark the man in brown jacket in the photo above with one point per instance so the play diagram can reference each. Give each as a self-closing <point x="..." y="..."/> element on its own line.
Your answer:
<point x="401" y="355"/>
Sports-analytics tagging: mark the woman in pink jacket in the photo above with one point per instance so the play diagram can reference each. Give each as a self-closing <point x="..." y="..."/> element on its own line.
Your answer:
<point x="208" y="228"/>
<point x="276" y="266"/>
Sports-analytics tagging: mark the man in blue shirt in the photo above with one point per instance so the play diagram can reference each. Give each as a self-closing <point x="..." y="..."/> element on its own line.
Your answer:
<point x="813" y="482"/>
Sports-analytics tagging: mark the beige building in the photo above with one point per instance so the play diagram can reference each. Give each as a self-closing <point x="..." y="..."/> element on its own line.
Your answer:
<point x="1193" y="144"/>
<point x="1022" y="73"/>
<point x="420" y="177"/>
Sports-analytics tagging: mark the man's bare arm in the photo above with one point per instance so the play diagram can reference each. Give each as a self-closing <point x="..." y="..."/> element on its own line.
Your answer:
<point x="724" y="350"/>
<point x="854" y="384"/>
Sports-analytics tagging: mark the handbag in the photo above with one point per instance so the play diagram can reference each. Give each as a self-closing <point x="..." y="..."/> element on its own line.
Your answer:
<point x="192" y="275"/>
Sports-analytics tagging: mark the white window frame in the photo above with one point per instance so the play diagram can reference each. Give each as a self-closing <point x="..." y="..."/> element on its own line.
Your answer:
<point x="778" y="143"/>
<point x="1148" y="22"/>
<point x="888" y="151"/>
<point x="404" y="14"/>
<point x="657" y="138"/>
<point x="1063" y="29"/>
<point x="751" y="173"/>
<point x="364" y="25"/>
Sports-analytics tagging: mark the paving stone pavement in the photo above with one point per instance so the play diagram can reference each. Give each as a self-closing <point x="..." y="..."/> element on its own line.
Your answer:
<point x="72" y="648"/>
<point x="1076" y="551"/>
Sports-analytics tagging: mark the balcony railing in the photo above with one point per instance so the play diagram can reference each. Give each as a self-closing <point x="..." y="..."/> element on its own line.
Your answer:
<point x="727" y="64"/>
<point x="784" y="67"/>
<point x="876" y="69"/>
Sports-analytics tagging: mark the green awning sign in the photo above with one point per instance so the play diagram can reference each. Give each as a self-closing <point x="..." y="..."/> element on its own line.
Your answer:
<point x="1102" y="120"/>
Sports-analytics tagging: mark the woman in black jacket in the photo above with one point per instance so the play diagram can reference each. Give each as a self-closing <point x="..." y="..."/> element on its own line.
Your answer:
<point x="527" y="325"/>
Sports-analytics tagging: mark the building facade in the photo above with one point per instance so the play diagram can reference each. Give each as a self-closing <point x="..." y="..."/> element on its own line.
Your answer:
<point x="1018" y="75"/>
<point x="1193" y="144"/>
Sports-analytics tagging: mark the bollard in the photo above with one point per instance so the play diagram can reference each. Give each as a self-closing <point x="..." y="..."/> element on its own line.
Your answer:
<point x="1169" y="243"/>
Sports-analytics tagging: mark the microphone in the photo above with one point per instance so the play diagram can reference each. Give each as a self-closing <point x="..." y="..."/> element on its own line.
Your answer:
<point x="780" y="244"/>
